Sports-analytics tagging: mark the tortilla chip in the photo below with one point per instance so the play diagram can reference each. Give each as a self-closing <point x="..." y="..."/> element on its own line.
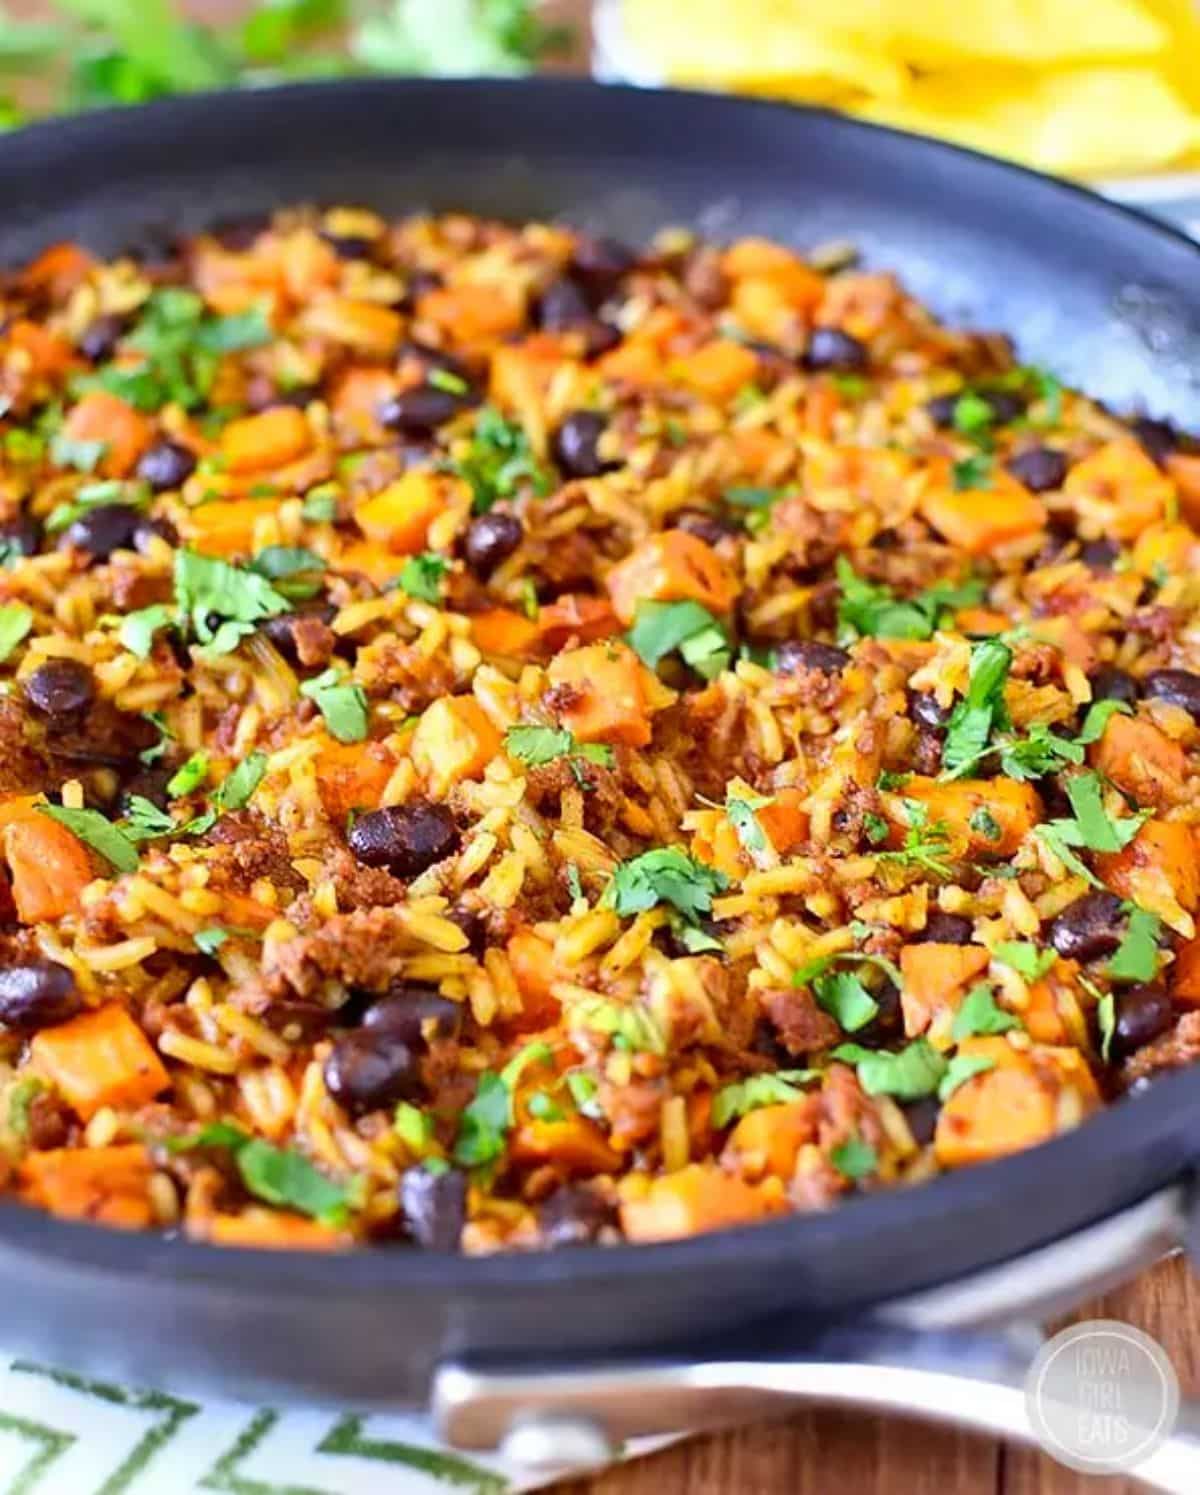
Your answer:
<point x="1082" y="121"/>
<point x="758" y="46"/>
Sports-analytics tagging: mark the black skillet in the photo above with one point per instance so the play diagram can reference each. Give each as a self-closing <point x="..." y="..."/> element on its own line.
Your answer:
<point x="1106" y="298"/>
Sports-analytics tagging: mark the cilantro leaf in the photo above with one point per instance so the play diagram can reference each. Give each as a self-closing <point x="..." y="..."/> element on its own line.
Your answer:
<point x="740" y="810"/>
<point x="925" y="846"/>
<point x="870" y="609"/>
<point x="1106" y="1018"/>
<point x="660" y="628"/>
<point x="963" y="1067"/>
<point x="67" y="451"/>
<point x="288" y="1179"/>
<point x="664" y="875"/>
<point x="235" y="791"/>
<point x="15" y="622"/>
<point x="189" y="776"/>
<point x="319" y="507"/>
<point x="854" y="1158"/>
<point x="985" y="824"/>
<point x="210" y="940"/>
<point x="843" y="996"/>
<point x="978" y="1013"/>
<point x="537" y="745"/>
<point x="972" y="474"/>
<point x="1025" y="958"/>
<point x="421" y="576"/>
<point x="1040" y="753"/>
<point x="234" y="333"/>
<point x="733" y="1101"/>
<point x="295" y="568"/>
<point x="413" y="1126"/>
<point x="973" y="415"/>
<point x="96" y="831"/>
<point x="497" y="459"/>
<point x="1136" y="957"/>
<point x="93" y="496"/>
<point x="485" y="1122"/>
<point x="238" y="598"/>
<point x="137" y="629"/>
<point x="1099" y="714"/>
<point x="980" y="710"/>
<point x="910" y="1074"/>
<point x="1097" y="830"/>
<point x="342" y="703"/>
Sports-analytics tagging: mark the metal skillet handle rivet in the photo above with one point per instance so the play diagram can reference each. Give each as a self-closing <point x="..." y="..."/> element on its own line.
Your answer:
<point x="545" y="1442"/>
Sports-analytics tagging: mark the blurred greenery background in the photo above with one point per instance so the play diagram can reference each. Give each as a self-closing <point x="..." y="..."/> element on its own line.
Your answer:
<point x="68" y="55"/>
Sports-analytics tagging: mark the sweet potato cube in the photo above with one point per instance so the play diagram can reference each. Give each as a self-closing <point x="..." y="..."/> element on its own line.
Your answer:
<point x="1001" y="1110"/>
<point x="399" y="517"/>
<point x="697" y="1198"/>
<point x="100" y="1058"/>
<point x="978" y="520"/>
<point x="1141" y="760"/>
<point x="454" y="740"/>
<point x="125" y="432"/>
<point x="261" y="443"/>
<point x="601" y="694"/>
<point x="673" y="566"/>
<point x="1159" y="870"/>
<point x="109" y="1185"/>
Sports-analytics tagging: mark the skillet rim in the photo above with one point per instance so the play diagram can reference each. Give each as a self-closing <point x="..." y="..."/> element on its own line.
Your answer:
<point x="1117" y="1132"/>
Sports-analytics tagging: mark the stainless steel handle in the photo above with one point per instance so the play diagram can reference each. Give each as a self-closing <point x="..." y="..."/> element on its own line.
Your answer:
<point x="553" y="1418"/>
<point x="925" y="1356"/>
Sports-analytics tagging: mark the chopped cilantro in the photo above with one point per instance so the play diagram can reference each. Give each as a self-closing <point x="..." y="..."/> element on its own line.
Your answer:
<point x="485" y="1123"/>
<point x="733" y="1101"/>
<point x="237" y="788"/>
<point x="985" y="824"/>
<point x="155" y="752"/>
<point x="543" y="1107"/>
<point x="1136" y="957"/>
<point x="210" y="940"/>
<point x="628" y="1024"/>
<point x="876" y="829"/>
<point x="207" y="588"/>
<point x="295" y="569"/>
<point x="664" y="875"/>
<point x="981" y="709"/>
<point x="660" y="628"/>
<point x="67" y="451"/>
<point x="189" y="777"/>
<point x="137" y="629"/>
<point x="909" y="1074"/>
<point x="925" y="846"/>
<point x="1099" y="714"/>
<point x="20" y="1098"/>
<point x="583" y="1088"/>
<point x="1106" y="1018"/>
<point x="740" y="810"/>
<point x="497" y="459"/>
<point x="872" y="610"/>
<point x="972" y="474"/>
<point x="978" y="1013"/>
<point x="1025" y="958"/>
<point x="448" y="382"/>
<point x="536" y="745"/>
<point x="421" y="576"/>
<point x="843" y="996"/>
<point x="96" y="831"/>
<point x="15" y="622"/>
<point x="973" y="416"/>
<point x="963" y="1067"/>
<point x="342" y="703"/>
<point x="413" y="1126"/>
<point x="854" y="1158"/>
<point x="320" y="506"/>
<point x="1091" y="828"/>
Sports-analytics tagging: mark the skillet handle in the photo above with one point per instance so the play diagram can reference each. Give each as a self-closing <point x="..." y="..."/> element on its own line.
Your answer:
<point x="554" y="1419"/>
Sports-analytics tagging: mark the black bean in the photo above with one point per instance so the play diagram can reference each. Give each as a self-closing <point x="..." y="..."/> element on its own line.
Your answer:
<point x="369" y="1069"/>
<point x="1143" y="1013"/>
<point x="418" y="284"/>
<point x="705" y="525"/>
<point x="575" y="445"/>
<point x="349" y="246"/>
<point x="104" y="736"/>
<point x="102" y="530"/>
<point x="926" y="710"/>
<point x="1111" y="684"/>
<point x="154" y="526"/>
<point x="888" y="1022"/>
<point x="562" y="305"/>
<point x="20" y="535"/>
<point x="922" y="1116"/>
<point x="945" y="929"/>
<point x="1177" y="687"/>
<point x="940" y="410"/>
<point x="60" y="688"/>
<point x="435" y="1207"/>
<point x="166" y="465"/>
<point x="100" y="338"/>
<point x="599" y="337"/>
<point x="490" y="539"/>
<point x="1040" y="468"/>
<point x="601" y="262"/>
<point x="420" y="411"/>
<point x="808" y="654"/>
<point x="574" y="1215"/>
<point x="1090" y="927"/>
<point x="1158" y="438"/>
<point x="473" y="924"/>
<point x="38" y="994"/>
<point x="1099" y="555"/>
<point x="406" y="839"/>
<point x="831" y="348"/>
<point x="409" y="1012"/>
<point x="281" y="631"/>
